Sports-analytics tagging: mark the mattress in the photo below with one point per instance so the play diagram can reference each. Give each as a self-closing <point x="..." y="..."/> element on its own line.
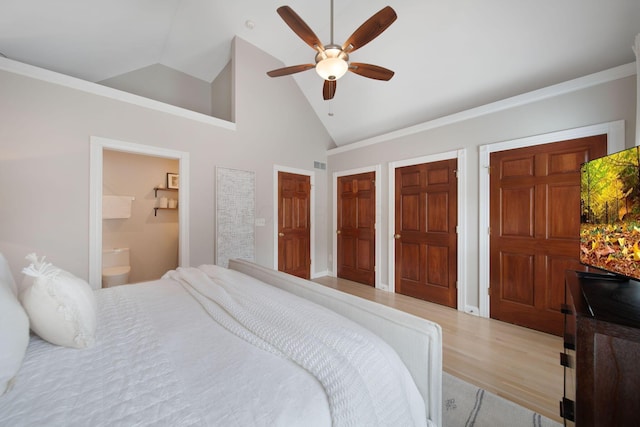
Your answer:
<point x="161" y="359"/>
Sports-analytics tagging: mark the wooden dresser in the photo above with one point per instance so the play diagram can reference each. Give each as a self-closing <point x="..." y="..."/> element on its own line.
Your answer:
<point x="601" y="351"/>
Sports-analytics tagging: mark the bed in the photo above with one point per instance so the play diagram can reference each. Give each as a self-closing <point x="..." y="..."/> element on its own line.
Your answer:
<point x="243" y="346"/>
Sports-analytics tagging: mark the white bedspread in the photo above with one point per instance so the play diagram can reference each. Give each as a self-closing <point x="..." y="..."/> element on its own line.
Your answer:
<point x="160" y="360"/>
<point x="60" y="386"/>
<point x="357" y="370"/>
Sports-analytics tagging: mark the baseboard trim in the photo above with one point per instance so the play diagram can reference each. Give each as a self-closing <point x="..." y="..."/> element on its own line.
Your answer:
<point x="471" y="309"/>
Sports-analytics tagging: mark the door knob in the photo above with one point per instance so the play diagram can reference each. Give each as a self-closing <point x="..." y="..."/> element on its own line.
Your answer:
<point x="338" y="232"/>
<point x="397" y="236"/>
<point x="281" y="234"/>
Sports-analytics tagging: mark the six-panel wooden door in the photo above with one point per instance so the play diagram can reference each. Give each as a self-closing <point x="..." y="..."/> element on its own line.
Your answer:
<point x="356" y="202"/>
<point x="425" y="231"/>
<point x="294" y="224"/>
<point x="535" y="224"/>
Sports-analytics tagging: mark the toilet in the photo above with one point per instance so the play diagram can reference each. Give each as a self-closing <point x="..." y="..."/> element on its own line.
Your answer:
<point x="115" y="267"/>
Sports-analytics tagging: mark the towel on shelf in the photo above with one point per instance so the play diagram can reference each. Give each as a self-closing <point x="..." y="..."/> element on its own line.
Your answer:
<point x="116" y="207"/>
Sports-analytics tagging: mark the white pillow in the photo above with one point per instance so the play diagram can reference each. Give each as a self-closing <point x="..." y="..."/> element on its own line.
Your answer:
<point x="61" y="306"/>
<point x="14" y="328"/>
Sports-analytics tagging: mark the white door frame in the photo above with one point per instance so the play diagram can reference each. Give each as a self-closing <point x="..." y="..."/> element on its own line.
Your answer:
<point x="97" y="146"/>
<point x="615" y="142"/>
<point x="377" y="169"/>
<point x="312" y="207"/>
<point x="463" y="250"/>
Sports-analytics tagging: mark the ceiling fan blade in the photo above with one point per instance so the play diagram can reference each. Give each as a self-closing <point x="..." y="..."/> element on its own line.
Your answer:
<point x="371" y="71"/>
<point x="371" y="29"/>
<point x="290" y="70"/>
<point x="300" y="27"/>
<point x="329" y="89"/>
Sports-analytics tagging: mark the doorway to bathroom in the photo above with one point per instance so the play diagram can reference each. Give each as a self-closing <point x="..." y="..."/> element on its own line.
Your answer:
<point x="139" y="216"/>
<point x="153" y="224"/>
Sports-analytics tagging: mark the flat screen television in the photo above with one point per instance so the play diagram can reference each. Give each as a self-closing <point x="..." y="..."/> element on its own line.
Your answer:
<point x="610" y="213"/>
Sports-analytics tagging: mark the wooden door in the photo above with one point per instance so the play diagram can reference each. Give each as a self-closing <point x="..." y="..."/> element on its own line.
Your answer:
<point x="294" y="224"/>
<point x="356" y="201"/>
<point x="535" y="226"/>
<point x="425" y="231"/>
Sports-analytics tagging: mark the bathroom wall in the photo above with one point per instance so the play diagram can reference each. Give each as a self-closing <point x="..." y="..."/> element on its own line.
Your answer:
<point x="153" y="240"/>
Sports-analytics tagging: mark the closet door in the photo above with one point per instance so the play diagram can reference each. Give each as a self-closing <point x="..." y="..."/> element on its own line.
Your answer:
<point x="535" y="229"/>
<point x="356" y="231"/>
<point x="294" y="224"/>
<point x="426" y="209"/>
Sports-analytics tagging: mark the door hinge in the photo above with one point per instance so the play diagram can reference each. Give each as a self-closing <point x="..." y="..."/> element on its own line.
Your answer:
<point x="489" y="170"/>
<point x="489" y="291"/>
<point x="455" y="171"/>
<point x="489" y="231"/>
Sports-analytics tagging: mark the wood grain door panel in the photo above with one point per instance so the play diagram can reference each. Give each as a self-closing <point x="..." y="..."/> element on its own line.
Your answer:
<point x="535" y="223"/>
<point x="425" y="232"/>
<point x="294" y="224"/>
<point x="356" y="228"/>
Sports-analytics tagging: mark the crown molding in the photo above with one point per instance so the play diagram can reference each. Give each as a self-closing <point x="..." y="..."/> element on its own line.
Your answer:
<point x="574" y="85"/>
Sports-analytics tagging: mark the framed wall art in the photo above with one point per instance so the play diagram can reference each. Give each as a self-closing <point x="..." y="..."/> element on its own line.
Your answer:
<point x="173" y="180"/>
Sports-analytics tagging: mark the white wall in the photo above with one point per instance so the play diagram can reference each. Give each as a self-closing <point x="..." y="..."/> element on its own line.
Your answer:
<point x="601" y="103"/>
<point x="45" y="130"/>
<point x="222" y="94"/>
<point x="165" y="84"/>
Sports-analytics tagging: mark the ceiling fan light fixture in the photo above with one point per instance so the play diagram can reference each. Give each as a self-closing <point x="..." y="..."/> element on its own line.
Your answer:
<point x="331" y="63"/>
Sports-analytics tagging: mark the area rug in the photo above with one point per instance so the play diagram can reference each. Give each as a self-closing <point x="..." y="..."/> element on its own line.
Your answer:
<point x="465" y="405"/>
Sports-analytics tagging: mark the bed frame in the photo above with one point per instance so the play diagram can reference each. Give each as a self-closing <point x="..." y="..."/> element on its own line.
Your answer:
<point x="417" y="341"/>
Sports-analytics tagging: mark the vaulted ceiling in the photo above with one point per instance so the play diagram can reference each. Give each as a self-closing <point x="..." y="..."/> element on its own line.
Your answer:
<point x="448" y="56"/>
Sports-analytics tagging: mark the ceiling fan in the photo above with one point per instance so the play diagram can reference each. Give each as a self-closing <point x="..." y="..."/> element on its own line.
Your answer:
<point x="332" y="61"/>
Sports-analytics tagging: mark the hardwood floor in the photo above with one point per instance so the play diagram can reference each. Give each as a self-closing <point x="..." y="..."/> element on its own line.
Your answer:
<point x="519" y="364"/>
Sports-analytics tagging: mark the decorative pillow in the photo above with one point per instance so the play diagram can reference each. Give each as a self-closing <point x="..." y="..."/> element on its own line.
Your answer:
<point x="61" y="306"/>
<point x="14" y="328"/>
